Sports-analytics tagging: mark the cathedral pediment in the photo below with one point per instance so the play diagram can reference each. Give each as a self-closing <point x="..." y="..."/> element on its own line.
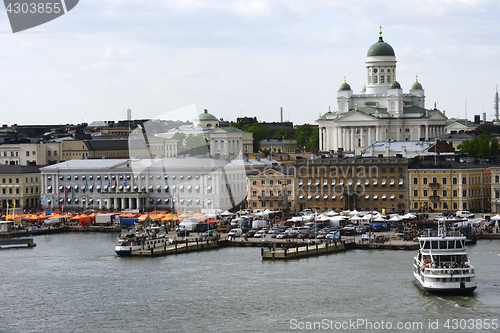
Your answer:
<point x="355" y="116"/>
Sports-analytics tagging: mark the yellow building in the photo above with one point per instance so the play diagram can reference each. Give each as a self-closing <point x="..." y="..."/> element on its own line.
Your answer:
<point x="20" y="185"/>
<point x="448" y="185"/>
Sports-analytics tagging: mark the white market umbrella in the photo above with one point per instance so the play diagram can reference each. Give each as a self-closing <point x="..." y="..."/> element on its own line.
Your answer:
<point x="227" y="213"/>
<point x="409" y="216"/>
<point x="354" y="213"/>
<point x="396" y="218"/>
<point x="331" y="213"/>
<point x="355" y="218"/>
<point x="379" y="219"/>
<point x="496" y="217"/>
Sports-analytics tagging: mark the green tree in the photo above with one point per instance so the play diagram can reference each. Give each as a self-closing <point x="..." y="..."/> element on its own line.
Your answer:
<point x="482" y="146"/>
<point x="238" y="126"/>
<point x="281" y="134"/>
<point x="307" y="136"/>
<point x="259" y="133"/>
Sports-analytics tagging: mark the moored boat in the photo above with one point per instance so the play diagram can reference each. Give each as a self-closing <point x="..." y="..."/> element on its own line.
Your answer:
<point x="441" y="264"/>
<point x="140" y="238"/>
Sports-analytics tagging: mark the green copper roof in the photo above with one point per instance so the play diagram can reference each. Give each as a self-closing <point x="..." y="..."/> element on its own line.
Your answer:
<point x="395" y="85"/>
<point x="205" y="116"/>
<point x="380" y="48"/>
<point x="416" y="86"/>
<point x="344" y="86"/>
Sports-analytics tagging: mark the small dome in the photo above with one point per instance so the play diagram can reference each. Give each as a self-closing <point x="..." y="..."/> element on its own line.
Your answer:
<point x="205" y="116"/>
<point x="380" y="48"/>
<point x="395" y="85"/>
<point x="416" y="86"/>
<point x="344" y="86"/>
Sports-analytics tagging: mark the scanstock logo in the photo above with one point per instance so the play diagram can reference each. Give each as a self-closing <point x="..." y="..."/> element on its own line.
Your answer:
<point x="27" y="14"/>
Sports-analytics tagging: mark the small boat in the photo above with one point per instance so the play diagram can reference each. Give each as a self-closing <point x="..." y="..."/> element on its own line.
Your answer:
<point x="441" y="265"/>
<point x="141" y="238"/>
<point x="16" y="242"/>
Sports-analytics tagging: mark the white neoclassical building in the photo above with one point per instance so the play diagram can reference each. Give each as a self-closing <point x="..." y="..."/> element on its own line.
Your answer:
<point x="381" y="110"/>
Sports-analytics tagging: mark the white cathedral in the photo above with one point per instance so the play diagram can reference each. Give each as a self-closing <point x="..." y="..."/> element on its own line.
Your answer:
<point x="381" y="111"/>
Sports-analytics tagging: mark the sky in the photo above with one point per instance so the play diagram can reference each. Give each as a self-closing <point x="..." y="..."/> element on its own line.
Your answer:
<point x="242" y="58"/>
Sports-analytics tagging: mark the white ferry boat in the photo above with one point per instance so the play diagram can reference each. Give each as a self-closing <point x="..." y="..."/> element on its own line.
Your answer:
<point x="140" y="238"/>
<point x="441" y="265"/>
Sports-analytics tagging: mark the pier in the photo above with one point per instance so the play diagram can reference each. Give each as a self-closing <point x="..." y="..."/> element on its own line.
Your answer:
<point x="180" y="247"/>
<point x="16" y="242"/>
<point x="297" y="252"/>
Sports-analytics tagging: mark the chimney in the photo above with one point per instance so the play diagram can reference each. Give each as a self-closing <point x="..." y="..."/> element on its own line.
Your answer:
<point x="281" y="114"/>
<point x="388" y="151"/>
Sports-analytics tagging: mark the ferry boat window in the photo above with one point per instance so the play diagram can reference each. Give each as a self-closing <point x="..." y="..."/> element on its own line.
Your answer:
<point x="443" y="244"/>
<point x="434" y="244"/>
<point x="427" y="245"/>
<point x="451" y="244"/>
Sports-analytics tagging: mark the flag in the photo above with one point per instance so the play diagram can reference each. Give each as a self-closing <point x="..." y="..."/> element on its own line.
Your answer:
<point x="93" y="183"/>
<point x="124" y="182"/>
<point x="109" y="182"/>
<point x="101" y="182"/>
<point x="86" y="183"/>
<point x="116" y="183"/>
<point x="66" y="194"/>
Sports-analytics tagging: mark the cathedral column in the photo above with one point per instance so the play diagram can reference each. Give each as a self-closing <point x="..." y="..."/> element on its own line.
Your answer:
<point x="353" y="131"/>
<point x="377" y="133"/>
<point x="426" y="132"/>
<point x="361" y="131"/>
<point x="419" y="132"/>
<point x="398" y="134"/>
<point x="344" y="138"/>
<point x="369" y="136"/>
<point x="321" y="133"/>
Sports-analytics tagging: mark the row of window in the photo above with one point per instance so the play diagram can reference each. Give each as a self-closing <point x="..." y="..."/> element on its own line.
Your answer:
<point x="445" y="205"/>
<point x="130" y="189"/>
<point x="17" y="190"/>
<point x="271" y="182"/>
<point x="472" y="192"/>
<point x="348" y="170"/>
<point x="230" y="176"/>
<point x="165" y="201"/>
<point x="350" y="182"/>
<point x="375" y="196"/>
<point x="271" y="193"/>
<point x="454" y="180"/>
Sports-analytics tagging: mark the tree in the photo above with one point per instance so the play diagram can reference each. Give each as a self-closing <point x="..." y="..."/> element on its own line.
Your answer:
<point x="281" y="134"/>
<point x="307" y="137"/>
<point x="482" y="146"/>
<point x="238" y="126"/>
<point x="196" y="144"/>
<point x="259" y="133"/>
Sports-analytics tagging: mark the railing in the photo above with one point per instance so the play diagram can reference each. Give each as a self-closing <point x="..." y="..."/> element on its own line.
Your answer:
<point x="448" y="271"/>
<point x="434" y="184"/>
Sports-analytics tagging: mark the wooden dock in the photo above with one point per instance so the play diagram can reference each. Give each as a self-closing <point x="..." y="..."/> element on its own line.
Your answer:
<point x="297" y="252"/>
<point x="180" y="247"/>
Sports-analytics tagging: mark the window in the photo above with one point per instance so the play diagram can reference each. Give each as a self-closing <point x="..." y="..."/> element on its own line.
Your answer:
<point x="455" y="193"/>
<point x="424" y="180"/>
<point x="455" y="180"/>
<point x="271" y="193"/>
<point x="262" y="182"/>
<point x="27" y="153"/>
<point x="289" y="181"/>
<point x="388" y="78"/>
<point x="391" y="170"/>
<point x="445" y="193"/>
<point x="434" y="179"/>
<point x="415" y="180"/>
<point x="445" y="205"/>
<point x="375" y="79"/>
<point x="497" y="178"/>
<point x="382" y="78"/>
<point x="415" y="193"/>
<point x="254" y="182"/>
<point x="262" y="193"/>
<point x="401" y="196"/>
<point x="55" y="153"/>
<point x="425" y="193"/>
<point x="444" y="180"/>
<point x="464" y="193"/>
<point x="400" y="170"/>
<point x="254" y="193"/>
<point x="455" y="206"/>
<point x="464" y="180"/>
<point x="48" y="152"/>
<point x="415" y="205"/>
<point x="271" y="182"/>
<point x="383" y="170"/>
<point x="497" y="194"/>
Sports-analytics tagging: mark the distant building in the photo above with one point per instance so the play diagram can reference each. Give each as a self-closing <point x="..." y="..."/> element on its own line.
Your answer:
<point x="381" y="110"/>
<point x="271" y="188"/>
<point x="449" y="184"/>
<point x="20" y="186"/>
<point x="405" y="148"/>
<point x="278" y="145"/>
<point x="457" y="125"/>
<point x="182" y="183"/>
<point x="362" y="183"/>
<point x="29" y="152"/>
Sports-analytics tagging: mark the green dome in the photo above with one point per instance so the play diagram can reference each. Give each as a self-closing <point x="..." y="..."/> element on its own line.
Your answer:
<point x="205" y="116"/>
<point x="344" y="87"/>
<point x="395" y="85"/>
<point x="416" y="86"/>
<point x="380" y="48"/>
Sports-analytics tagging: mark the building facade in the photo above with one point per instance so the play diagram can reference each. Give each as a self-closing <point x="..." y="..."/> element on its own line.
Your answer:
<point x="381" y="110"/>
<point x="30" y="153"/>
<point x="20" y="186"/>
<point x="449" y="184"/>
<point x="271" y="188"/>
<point x="182" y="184"/>
<point x="362" y="183"/>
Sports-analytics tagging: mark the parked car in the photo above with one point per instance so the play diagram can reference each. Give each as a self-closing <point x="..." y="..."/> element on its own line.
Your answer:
<point x="464" y="214"/>
<point x="361" y="230"/>
<point x="260" y="234"/>
<point x="249" y="233"/>
<point x="235" y="232"/>
<point x="182" y="233"/>
<point x="223" y="228"/>
<point x="281" y="235"/>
